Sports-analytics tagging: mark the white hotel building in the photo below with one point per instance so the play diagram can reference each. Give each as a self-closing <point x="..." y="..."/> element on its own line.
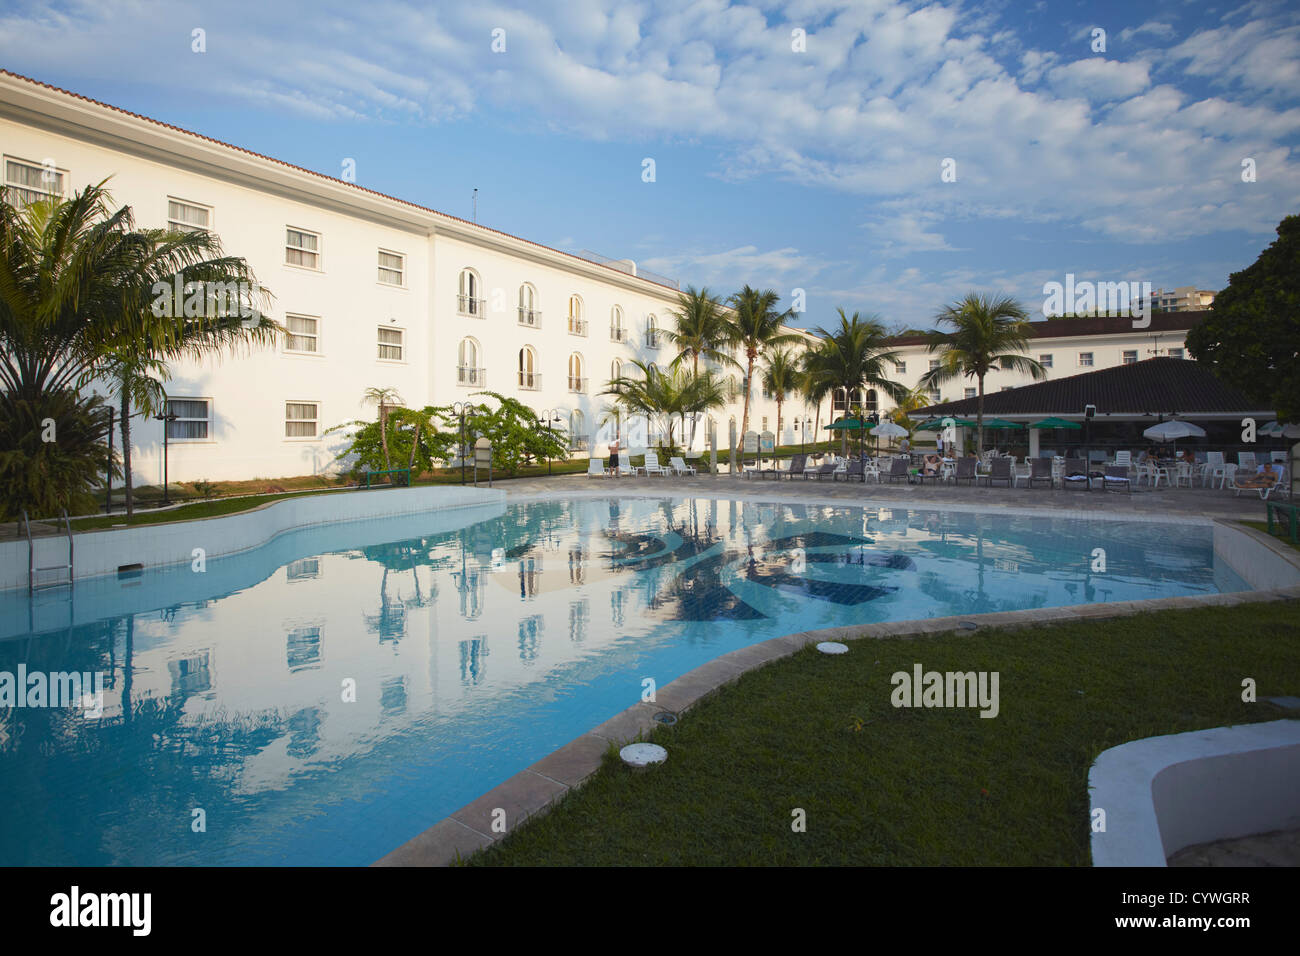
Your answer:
<point x="377" y="291"/>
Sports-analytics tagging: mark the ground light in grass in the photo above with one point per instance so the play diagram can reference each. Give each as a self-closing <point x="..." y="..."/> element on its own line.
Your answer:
<point x="887" y="786"/>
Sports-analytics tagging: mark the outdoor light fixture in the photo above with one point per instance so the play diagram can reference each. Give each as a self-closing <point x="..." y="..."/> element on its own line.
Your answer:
<point x="549" y="417"/>
<point x="461" y="409"/>
<point x="166" y="418"/>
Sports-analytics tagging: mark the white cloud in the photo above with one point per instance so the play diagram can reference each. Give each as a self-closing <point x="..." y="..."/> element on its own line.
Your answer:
<point x="1100" y="80"/>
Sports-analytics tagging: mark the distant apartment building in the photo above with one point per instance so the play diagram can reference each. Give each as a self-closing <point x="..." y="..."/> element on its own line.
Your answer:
<point x="1185" y="298"/>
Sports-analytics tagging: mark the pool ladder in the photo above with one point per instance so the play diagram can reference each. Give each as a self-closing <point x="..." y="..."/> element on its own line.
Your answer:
<point x="33" y="572"/>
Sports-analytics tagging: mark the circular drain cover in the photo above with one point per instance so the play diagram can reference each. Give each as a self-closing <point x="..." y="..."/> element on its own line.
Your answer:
<point x="640" y="756"/>
<point x="833" y="647"/>
<point x="664" y="717"/>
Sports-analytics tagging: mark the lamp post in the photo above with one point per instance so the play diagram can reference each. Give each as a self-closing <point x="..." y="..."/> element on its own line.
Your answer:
<point x="874" y="418"/>
<point x="108" y="504"/>
<point x="166" y="418"/>
<point x="798" y="423"/>
<point x="807" y="427"/>
<point x="461" y="409"/>
<point x="549" y="417"/>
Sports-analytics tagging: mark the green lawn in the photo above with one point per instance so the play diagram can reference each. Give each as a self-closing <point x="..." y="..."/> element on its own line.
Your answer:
<point x="1280" y="531"/>
<point x="886" y="786"/>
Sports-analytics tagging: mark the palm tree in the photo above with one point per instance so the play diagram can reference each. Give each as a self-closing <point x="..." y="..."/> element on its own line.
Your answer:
<point x="756" y="327"/>
<point x="137" y="382"/>
<point x="782" y="377"/>
<point x="988" y="333"/>
<point x="79" y="298"/>
<point x="852" y="357"/>
<point x="914" y="399"/>
<point x="665" y="395"/>
<point x="385" y="398"/>
<point x="702" y="331"/>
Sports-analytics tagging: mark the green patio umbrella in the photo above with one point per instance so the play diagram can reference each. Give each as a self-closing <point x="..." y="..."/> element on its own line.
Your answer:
<point x="935" y="424"/>
<point x="1055" y="423"/>
<point x="1002" y="423"/>
<point x="849" y="424"/>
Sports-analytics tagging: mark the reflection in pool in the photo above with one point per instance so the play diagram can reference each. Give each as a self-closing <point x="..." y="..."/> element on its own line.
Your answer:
<point x="477" y="641"/>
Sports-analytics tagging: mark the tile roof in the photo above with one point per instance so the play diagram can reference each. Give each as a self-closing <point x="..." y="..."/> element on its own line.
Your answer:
<point x="1151" y="387"/>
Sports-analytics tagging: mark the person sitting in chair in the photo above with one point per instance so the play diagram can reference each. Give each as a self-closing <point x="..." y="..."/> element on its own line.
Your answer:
<point x="1266" y="476"/>
<point x="930" y="465"/>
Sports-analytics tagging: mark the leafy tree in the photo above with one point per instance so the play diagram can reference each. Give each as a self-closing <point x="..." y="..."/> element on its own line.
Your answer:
<point x="755" y="327"/>
<point x="43" y="476"/>
<point x="854" y="356"/>
<point x="988" y="333"/>
<point x="666" y="396"/>
<point x="417" y="437"/>
<point x="1251" y="339"/>
<point x="384" y="398"/>
<point x="78" y="303"/>
<point x="703" y="331"/>
<point x="783" y="377"/>
<point x="518" y="437"/>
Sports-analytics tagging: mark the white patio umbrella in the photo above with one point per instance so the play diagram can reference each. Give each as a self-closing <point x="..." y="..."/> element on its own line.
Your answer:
<point x="889" y="430"/>
<point x="1278" y="430"/>
<point x="1174" y="430"/>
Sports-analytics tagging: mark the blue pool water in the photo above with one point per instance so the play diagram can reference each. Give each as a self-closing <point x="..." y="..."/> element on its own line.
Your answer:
<point x="478" y="640"/>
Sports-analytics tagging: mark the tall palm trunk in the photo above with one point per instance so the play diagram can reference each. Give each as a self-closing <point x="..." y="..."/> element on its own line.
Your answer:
<point x="979" y="415"/>
<point x="383" y="435"/>
<point x="695" y="373"/>
<point x="126" y="451"/>
<point x="750" y="355"/>
<point x="780" y="398"/>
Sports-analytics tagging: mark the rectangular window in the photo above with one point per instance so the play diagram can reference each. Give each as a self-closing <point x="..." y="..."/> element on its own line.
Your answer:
<point x="303" y="333"/>
<point x="900" y="368"/>
<point x="302" y="248"/>
<point x="764" y="428"/>
<point x="303" y="568"/>
<point x="934" y="364"/>
<point x="1130" y="357"/>
<point x="1176" y="353"/>
<point x="193" y="421"/>
<point x="29" y="182"/>
<point x="969" y="393"/>
<point x="300" y="419"/>
<point x="392" y="268"/>
<point x="1045" y="360"/>
<point x="390" y="344"/>
<point x="1085" y="359"/>
<point x="934" y="395"/>
<point x="303" y="648"/>
<point x="187" y="216"/>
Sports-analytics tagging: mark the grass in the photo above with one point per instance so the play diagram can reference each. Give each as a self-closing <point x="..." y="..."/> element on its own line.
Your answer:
<point x="885" y="786"/>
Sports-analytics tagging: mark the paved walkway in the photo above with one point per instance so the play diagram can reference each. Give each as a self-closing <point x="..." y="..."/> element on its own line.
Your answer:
<point x="1162" y="503"/>
<point x="1279" y="848"/>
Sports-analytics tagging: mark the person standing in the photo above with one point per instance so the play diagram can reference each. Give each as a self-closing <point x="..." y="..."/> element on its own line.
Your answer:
<point x="939" y="442"/>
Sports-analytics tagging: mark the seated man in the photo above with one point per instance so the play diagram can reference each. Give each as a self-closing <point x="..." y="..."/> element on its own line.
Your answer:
<point x="930" y="465"/>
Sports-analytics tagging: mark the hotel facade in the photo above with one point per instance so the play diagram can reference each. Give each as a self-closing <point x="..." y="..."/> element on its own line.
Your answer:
<point x="374" y="291"/>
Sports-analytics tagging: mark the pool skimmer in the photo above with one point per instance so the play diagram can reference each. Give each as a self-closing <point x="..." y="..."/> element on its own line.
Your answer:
<point x="642" y="756"/>
<point x="833" y="647"/>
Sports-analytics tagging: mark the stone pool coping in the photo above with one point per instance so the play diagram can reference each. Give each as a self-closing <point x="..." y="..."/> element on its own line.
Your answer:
<point x="533" y="791"/>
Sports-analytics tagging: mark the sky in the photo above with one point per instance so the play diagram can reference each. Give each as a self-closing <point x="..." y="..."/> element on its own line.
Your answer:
<point x="883" y="157"/>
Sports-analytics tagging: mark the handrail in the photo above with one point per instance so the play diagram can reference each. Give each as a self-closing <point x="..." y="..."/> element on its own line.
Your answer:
<point x="32" y="570"/>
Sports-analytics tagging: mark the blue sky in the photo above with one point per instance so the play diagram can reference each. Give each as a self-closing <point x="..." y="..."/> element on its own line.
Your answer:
<point x="816" y="169"/>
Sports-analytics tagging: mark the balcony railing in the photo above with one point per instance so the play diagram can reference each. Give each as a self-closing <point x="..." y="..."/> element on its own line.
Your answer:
<point x="470" y="376"/>
<point x="468" y="305"/>
<point x="577" y="326"/>
<point x="531" y="381"/>
<point x="652" y="339"/>
<point x="577" y="384"/>
<point x="530" y="317"/>
<point x="617" y="333"/>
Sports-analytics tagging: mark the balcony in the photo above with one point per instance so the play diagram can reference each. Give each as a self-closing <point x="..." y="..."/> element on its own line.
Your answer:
<point x="652" y="338"/>
<point x="578" y="385"/>
<point x="577" y="326"/>
<point x="530" y="317"/>
<point x="617" y="333"/>
<point x="471" y="376"/>
<point x="530" y="381"/>
<point x="468" y="305"/>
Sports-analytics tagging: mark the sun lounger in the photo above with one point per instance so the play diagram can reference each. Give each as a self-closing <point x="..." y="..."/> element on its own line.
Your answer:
<point x="852" y="471"/>
<point x="796" y="467"/>
<point x="679" y="466"/>
<point x="596" y="469"/>
<point x="1076" y="474"/>
<point x="965" y="470"/>
<point x="1040" y="469"/>
<point x="898" y="468"/>
<point x="1117" y="477"/>
<point x="652" y="466"/>
<point x="1000" y="470"/>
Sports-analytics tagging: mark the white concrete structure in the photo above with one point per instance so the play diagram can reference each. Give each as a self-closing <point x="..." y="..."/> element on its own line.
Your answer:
<point x="374" y="291"/>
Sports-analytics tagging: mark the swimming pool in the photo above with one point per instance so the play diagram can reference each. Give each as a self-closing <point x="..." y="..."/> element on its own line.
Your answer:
<point x="477" y="640"/>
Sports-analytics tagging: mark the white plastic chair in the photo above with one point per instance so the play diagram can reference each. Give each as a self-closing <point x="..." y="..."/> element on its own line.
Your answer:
<point x="596" y="469"/>
<point x="652" y="466"/>
<point x="679" y="466"/>
<point x="1124" y="458"/>
<point x="1246" y="459"/>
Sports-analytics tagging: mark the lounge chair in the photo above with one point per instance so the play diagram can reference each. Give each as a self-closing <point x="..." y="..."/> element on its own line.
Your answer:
<point x="596" y="469"/>
<point x="825" y="471"/>
<point x="796" y="467"/>
<point x="1076" y="472"/>
<point x="898" y="468"/>
<point x="936" y="475"/>
<point x="1124" y="458"/>
<point x="1040" y="469"/>
<point x="851" y="471"/>
<point x="1117" y="477"/>
<point x="1265" y="482"/>
<point x="625" y="467"/>
<point x="652" y="466"/>
<point x="679" y="467"/>
<point x="1000" y="470"/>
<point x="965" y="470"/>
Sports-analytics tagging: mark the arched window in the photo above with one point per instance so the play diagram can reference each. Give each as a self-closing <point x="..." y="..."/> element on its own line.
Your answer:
<point x="615" y="370"/>
<point x="872" y="403"/>
<point x="529" y="314"/>
<point x="469" y="369"/>
<point x="469" y="301"/>
<point x="652" y="331"/>
<point x="577" y="430"/>
<point x="577" y="325"/>
<point x="529" y="377"/>
<point x="616" y="333"/>
<point x="577" y="383"/>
